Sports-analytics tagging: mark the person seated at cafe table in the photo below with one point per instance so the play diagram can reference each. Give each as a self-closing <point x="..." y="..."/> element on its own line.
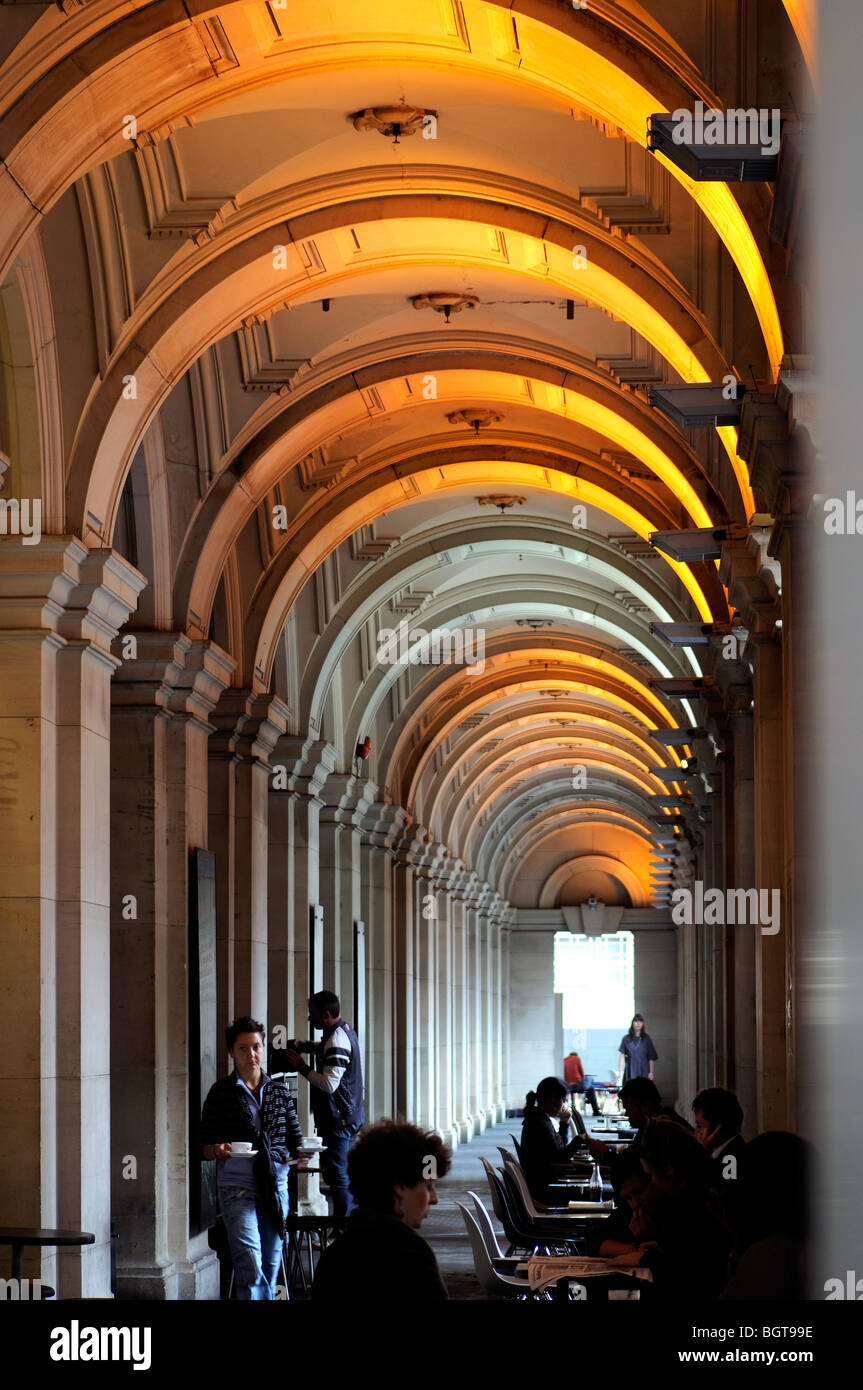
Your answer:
<point x="642" y="1103"/>
<point x="381" y="1258"/>
<point x="544" y="1144"/>
<point x="626" y="1228"/>
<point x="688" y="1247"/>
<point x="718" y="1122"/>
<point x="771" y="1219"/>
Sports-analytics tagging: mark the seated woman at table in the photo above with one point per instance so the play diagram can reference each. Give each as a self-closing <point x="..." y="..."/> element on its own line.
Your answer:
<point x="381" y="1258"/>
<point x="544" y="1145"/>
<point x="248" y="1107"/>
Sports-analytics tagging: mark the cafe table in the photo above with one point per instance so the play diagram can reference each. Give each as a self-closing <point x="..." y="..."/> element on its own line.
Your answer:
<point x="19" y="1236"/>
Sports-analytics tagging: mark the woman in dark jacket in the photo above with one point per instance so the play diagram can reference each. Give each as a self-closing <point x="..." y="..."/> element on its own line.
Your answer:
<point x="381" y="1258"/>
<point x="637" y="1053"/>
<point x="249" y="1108"/>
<point x="543" y="1136"/>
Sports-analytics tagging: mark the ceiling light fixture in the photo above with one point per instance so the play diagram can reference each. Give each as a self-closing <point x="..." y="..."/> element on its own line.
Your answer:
<point x="476" y="417"/>
<point x="444" y="302"/>
<point x="502" y="500"/>
<point x="394" y="121"/>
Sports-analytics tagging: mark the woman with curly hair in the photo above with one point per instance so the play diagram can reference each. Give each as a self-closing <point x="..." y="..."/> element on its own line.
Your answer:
<point x="392" y="1171"/>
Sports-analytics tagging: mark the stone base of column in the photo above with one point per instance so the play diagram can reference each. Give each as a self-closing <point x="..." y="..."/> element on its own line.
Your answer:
<point x="451" y="1136"/>
<point x="478" y="1122"/>
<point x="464" y="1129"/>
<point x="195" y="1279"/>
<point x="148" y="1283"/>
<point x="310" y="1200"/>
<point x="198" y="1278"/>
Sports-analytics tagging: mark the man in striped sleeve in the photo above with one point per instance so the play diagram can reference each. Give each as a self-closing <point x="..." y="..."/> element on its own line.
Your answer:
<point x="336" y="1083"/>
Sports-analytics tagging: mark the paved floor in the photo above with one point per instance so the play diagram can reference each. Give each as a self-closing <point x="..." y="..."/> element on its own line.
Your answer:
<point x="444" y="1227"/>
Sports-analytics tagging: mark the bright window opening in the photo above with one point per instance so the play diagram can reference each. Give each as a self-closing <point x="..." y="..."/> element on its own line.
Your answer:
<point x="596" y="976"/>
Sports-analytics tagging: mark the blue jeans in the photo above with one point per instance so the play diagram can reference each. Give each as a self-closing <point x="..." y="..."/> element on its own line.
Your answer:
<point x="334" y="1168"/>
<point x="256" y="1246"/>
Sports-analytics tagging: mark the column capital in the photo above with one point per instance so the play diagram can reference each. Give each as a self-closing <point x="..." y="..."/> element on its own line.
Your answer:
<point x="307" y="762"/>
<point x="447" y="873"/>
<point x="752" y="588"/>
<point x="248" y="726"/>
<point x="346" y="799"/>
<point x="173" y="672"/>
<point x="60" y="586"/>
<point x="410" y="845"/>
<point x="383" y="823"/>
<point x="472" y="891"/>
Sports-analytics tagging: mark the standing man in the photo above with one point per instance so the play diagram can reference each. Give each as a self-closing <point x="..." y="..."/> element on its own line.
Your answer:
<point x="336" y="1091"/>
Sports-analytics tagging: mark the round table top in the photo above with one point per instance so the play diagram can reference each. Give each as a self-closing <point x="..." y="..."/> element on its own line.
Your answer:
<point x="36" y="1235"/>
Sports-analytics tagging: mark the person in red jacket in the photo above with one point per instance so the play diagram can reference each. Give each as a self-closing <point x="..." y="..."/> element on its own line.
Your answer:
<point x="573" y="1075"/>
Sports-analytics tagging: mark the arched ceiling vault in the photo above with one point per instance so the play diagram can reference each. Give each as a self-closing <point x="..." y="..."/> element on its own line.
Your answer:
<point x="72" y="117"/>
<point x="181" y="316"/>
<point x="569" y="562"/>
<point x="443" y="801"/>
<point x="350" y="435"/>
<point x="346" y="508"/>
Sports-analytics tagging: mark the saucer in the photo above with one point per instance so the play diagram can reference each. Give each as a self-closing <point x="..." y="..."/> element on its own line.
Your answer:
<point x="247" y="1153"/>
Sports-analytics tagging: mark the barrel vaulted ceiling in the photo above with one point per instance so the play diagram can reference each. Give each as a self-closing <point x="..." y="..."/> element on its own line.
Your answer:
<point x="209" y="323"/>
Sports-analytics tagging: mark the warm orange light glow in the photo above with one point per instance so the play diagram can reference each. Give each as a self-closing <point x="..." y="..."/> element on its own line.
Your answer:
<point x="803" y="16"/>
<point x="237" y="507"/>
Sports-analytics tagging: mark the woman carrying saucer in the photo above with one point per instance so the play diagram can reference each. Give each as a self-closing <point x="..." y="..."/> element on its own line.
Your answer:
<point x="251" y="1110"/>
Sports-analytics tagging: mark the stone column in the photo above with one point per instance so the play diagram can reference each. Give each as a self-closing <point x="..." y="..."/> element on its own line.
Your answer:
<point x="753" y="591"/>
<point x="474" y="1072"/>
<point x="489" y="1106"/>
<point x="407" y="905"/>
<point x="248" y="727"/>
<point x="346" y="801"/>
<point x="743" y="1064"/>
<point x="461" y="1107"/>
<point x="300" y="768"/>
<point x="61" y="606"/>
<point x="499" y="970"/>
<point x="161" y="700"/>
<point x="483" y="1028"/>
<point x="778" y="448"/>
<point x="444" y="994"/>
<point x="382" y="826"/>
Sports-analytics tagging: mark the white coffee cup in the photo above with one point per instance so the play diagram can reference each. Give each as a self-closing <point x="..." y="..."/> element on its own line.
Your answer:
<point x="239" y="1147"/>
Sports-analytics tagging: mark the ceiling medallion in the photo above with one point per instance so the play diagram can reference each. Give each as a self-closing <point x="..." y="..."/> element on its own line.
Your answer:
<point x="445" y="303"/>
<point x="476" y="417"/>
<point x="502" y="500"/>
<point x="394" y="121"/>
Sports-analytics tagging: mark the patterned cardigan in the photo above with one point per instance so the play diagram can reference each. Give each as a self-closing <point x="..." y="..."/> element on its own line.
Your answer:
<point x="227" y="1115"/>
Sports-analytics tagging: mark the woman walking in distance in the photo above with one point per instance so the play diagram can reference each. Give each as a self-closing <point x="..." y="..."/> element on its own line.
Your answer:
<point x="637" y="1053"/>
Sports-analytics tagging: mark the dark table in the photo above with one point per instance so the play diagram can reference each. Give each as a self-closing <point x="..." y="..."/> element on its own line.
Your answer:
<point x="19" y="1236"/>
